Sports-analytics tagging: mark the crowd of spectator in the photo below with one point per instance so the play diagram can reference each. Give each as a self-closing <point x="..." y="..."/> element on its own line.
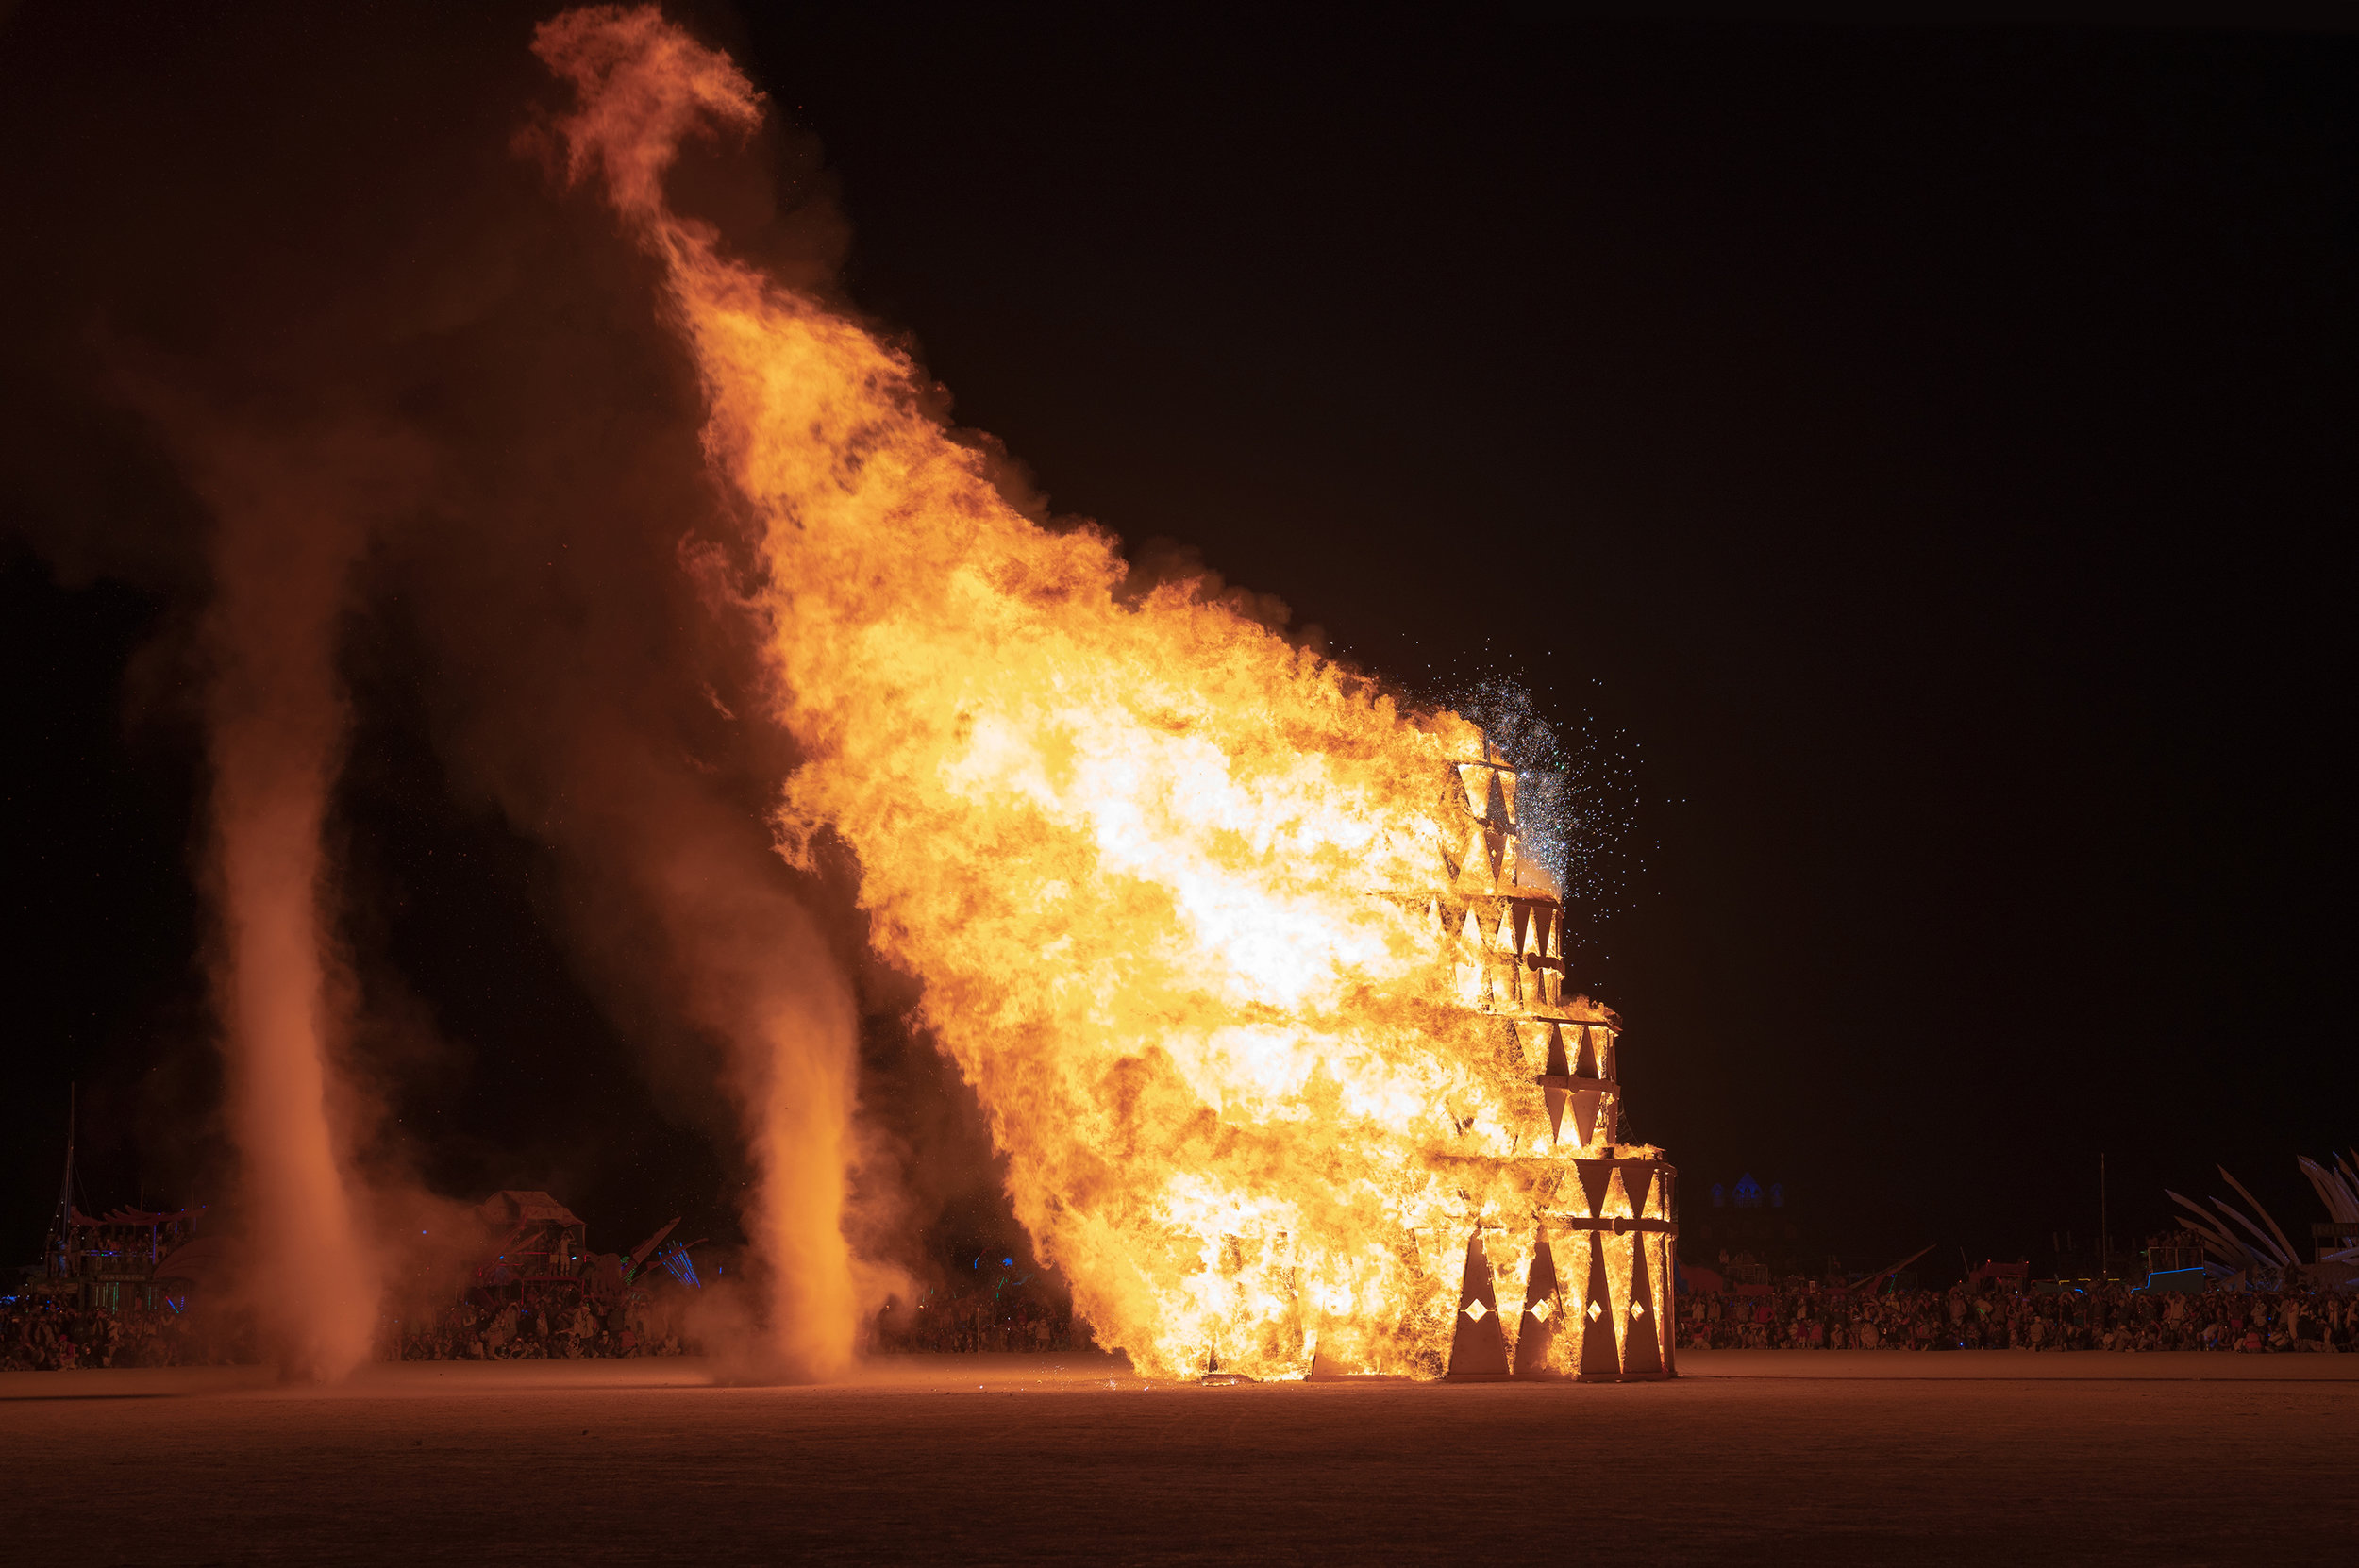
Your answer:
<point x="40" y="1334"/>
<point x="2107" y="1317"/>
<point x="536" y="1326"/>
<point x="37" y="1335"/>
<point x="49" y="1336"/>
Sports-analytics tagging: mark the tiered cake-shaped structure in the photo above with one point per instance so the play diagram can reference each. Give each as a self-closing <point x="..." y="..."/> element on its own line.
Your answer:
<point x="1597" y="1300"/>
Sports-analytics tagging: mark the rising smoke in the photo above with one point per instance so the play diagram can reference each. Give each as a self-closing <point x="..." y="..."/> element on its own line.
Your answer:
<point x="287" y="532"/>
<point x="393" y="390"/>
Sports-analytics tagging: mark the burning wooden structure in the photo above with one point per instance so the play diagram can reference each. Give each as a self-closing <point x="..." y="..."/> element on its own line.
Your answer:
<point x="1592" y="1221"/>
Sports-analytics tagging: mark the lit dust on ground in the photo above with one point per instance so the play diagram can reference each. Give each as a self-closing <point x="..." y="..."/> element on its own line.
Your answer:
<point x="1763" y="1457"/>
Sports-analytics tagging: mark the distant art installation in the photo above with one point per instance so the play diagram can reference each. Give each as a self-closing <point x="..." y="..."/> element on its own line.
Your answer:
<point x="2253" y="1246"/>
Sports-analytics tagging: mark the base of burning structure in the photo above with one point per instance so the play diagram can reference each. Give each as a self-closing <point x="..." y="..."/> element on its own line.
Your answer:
<point x="1535" y="1377"/>
<point x="1324" y="1371"/>
<point x="1615" y="1341"/>
<point x="1358" y="1377"/>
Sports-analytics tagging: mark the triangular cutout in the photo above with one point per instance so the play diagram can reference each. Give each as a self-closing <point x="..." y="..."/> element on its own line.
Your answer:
<point x="1504" y="938"/>
<point x="1556" y="933"/>
<point x="1601" y="1349"/>
<point x="1507" y="794"/>
<point x="1618" y="1251"/>
<point x="1556" y="1098"/>
<point x="1475" y="781"/>
<point x="1668" y="1304"/>
<point x="1585" y="1114"/>
<point x="1535" y="1336"/>
<point x="1642" y="1343"/>
<point x="1478" y="1346"/>
<point x="1617" y="1204"/>
<point x="1643" y="1194"/>
<point x="1479" y="865"/>
<point x="1555" y="1045"/>
<point x="1587" y="1067"/>
<point x="1594" y="1176"/>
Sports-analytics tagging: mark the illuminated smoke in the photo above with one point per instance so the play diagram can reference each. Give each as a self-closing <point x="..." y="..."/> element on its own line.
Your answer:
<point x="350" y="232"/>
<point x="745" y="963"/>
<point x="284" y="544"/>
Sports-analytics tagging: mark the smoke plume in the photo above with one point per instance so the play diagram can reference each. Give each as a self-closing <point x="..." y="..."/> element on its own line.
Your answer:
<point x="506" y="517"/>
<point x="285" y="541"/>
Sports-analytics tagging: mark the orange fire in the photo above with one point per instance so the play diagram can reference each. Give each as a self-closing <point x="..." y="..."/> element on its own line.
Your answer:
<point x="1238" y="955"/>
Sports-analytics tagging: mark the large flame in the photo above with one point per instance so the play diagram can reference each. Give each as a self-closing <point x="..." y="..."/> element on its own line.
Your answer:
<point x="1169" y="882"/>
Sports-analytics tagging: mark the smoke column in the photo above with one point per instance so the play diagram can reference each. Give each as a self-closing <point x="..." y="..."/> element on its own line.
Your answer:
<point x="464" y="460"/>
<point x="690" y="927"/>
<point x="276" y="722"/>
<point x="758" y="976"/>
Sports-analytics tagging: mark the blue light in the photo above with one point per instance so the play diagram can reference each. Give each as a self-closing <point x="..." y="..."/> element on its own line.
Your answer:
<point x="1007" y="1262"/>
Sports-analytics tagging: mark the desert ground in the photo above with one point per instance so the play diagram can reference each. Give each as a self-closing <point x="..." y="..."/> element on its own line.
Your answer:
<point x="1769" y="1458"/>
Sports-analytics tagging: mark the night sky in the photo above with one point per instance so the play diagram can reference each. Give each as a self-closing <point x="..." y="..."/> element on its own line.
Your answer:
<point x="1912" y="468"/>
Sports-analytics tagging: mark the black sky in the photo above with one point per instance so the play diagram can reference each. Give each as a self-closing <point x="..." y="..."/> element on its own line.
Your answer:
<point x="1918" y="459"/>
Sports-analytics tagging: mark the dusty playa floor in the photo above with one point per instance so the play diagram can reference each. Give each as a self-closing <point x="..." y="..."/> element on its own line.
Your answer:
<point x="1768" y="1457"/>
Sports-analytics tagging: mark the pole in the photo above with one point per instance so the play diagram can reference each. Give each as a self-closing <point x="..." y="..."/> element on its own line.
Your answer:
<point x="65" y="1191"/>
<point x="2104" y="1248"/>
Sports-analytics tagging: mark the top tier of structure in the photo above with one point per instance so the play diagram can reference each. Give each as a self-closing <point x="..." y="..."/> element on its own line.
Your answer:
<point x="1502" y="913"/>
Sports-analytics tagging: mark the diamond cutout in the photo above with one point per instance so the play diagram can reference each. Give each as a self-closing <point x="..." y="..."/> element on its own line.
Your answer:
<point x="1540" y="1309"/>
<point x="1637" y="1308"/>
<point x="1596" y="1311"/>
<point x="1475" y="1310"/>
